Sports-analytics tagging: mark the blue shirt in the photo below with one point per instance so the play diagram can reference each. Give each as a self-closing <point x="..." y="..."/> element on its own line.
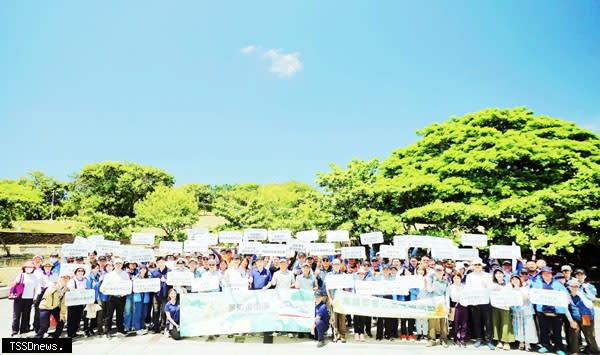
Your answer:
<point x="260" y="279"/>
<point x="553" y="285"/>
<point x="173" y="310"/>
<point x="156" y="273"/>
<point x="321" y="311"/>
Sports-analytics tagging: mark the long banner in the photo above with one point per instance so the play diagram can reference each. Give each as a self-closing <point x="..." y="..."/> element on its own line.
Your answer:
<point x="352" y="303"/>
<point x="279" y="310"/>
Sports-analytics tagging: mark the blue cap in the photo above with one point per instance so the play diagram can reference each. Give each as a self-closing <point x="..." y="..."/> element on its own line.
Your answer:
<point x="546" y="269"/>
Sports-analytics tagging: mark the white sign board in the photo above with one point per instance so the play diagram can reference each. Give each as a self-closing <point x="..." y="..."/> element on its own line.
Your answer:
<point x="236" y="285"/>
<point x="273" y="249"/>
<point x="80" y="297"/>
<point x="146" y="285"/>
<point x="206" y="238"/>
<point x="548" y="297"/>
<point x="116" y="287"/>
<point x="72" y="250"/>
<point x="200" y="246"/>
<point x="230" y="237"/>
<point x="411" y="281"/>
<point x="104" y="247"/>
<point x="307" y="236"/>
<point x="392" y="252"/>
<point x="387" y="287"/>
<point x="81" y="241"/>
<point x="474" y="240"/>
<point x="250" y="248"/>
<point x="337" y="236"/>
<point x="467" y="254"/>
<point x="95" y="238"/>
<point x="471" y="296"/>
<point x="207" y="283"/>
<point x="170" y="247"/>
<point x="140" y="255"/>
<point x="69" y="269"/>
<point x="321" y="249"/>
<point x="180" y="278"/>
<point x="505" y="252"/>
<point x="142" y="238"/>
<point x="298" y="246"/>
<point x="422" y="241"/>
<point x="371" y="238"/>
<point x="196" y="231"/>
<point x="450" y="253"/>
<point x="280" y="236"/>
<point x="339" y="281"/>
<point x="506" y="298"/>
<point x="257" y="234"/>
<point x="353" y="253"/>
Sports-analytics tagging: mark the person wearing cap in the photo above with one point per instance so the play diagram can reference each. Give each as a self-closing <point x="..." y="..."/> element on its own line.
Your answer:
<point x="297" y="266"/>
<point x="213" y="272"/>
<point x="438" y="286"/>
<point x="523" y="323"/>
<point x="53" y="304"/>
<point x="481" y="313"/>
<point x="567" y="271"/>
<point x="54" y="259"/>
<point x="159" y="300"/>
<point x="306" y="281"/>
<point x="338" y="320"/>
<point x="524" y="276"/>
<point x="387" y="327"/>
<point x="45" y="278"/>
<point x="75" y="313"/>
<point x="587" y="288"/>
<point x="22" y="305"/>
<point x="560" y="278"/>
<point x="507" y="271"/>
<point x="116" y="303"/>
<point x="550" y="318"/>
<point x="260" y="276"/>
<point x="582" y="310"/>
<point x="321" y="319"/>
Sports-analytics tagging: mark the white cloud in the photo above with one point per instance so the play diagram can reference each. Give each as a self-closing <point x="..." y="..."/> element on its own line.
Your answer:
<point x="284" y="65"/>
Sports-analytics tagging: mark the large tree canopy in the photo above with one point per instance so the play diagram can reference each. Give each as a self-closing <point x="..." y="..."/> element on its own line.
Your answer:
<point x="532" y="179"/>
<point x="15" y="201"/>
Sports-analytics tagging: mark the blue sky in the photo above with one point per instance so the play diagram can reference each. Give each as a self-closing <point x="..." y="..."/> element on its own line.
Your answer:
<point x="269" y="91"/>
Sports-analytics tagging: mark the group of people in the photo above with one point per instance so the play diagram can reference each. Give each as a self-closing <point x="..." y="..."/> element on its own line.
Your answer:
<point x="526" y="327"/>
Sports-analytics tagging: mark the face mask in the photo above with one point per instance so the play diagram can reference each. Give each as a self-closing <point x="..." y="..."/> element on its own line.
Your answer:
<point x="29" y="270"/>
<point x="53" y="260"/>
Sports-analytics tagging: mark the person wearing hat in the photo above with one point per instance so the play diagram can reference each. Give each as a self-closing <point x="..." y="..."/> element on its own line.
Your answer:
<point x="321" y="319"/>
<point x="131" y="269"/>
<point x="75" y="313"/>
<point x="213" y="272"/>
<point x="282" y="278"/>
<point x="116" y="303"/>
<point x="53" y="304"/>
<point x="306" y="281"/>
<point x="338" y="320"/>
<point x="438" y="286"/>
<point x="297" y="266"/>
<point x="482" y="312"/>
<point x="582" y="310"/>
<point x="550" y="318"/>
<point x="55" y="260"/>
<point x="45" y="278"/>
<point x="567" y="271"/>
<point x="587" y="288"/>
<point x="560" y="278"/>
<point x="22" y="303"/>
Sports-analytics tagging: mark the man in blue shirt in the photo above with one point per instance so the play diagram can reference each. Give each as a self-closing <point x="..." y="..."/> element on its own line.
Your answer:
<point x="582" y="311"/>
<point x="321" y="319"/>
<point x="260" y="276"/>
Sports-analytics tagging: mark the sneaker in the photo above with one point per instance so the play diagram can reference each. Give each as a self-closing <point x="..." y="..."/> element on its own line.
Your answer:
<point x="506" y="346"/>
<point x="445" y="344"/>
<point x="362" y="338"/>
<point x="491" y="346"/>
<point x="356" y="337"/>
<point x="343" y="340"/>
<point x="431" y="343"/>
<point x="320" y="344"/>
<point x="403" y="338"/>
<point x="560" y="352"/>
<point x="542" y="350"/>
<point x="477" y="343"/>
<point x="411" y="338"/>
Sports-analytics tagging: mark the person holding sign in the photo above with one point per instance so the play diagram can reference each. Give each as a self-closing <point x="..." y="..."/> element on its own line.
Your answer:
<point x="361" y="322"/>
<point x="159" y="300"/>
<point x="501" y="322"/>
<point x="438" y="286"/>
<point x="141" y="300"/>
<point x="53" y="304"/>
<point x="75" y="313"/>
<point x="92" y="282"/>
<point x="523" y="324"/>
<point x="481" y="313"/>
<point x="550" y="317"/>
<point x="582" y="310"/>
<point x="116" y="303"/>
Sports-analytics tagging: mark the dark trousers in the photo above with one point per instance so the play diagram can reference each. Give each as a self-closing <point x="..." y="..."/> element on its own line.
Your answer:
<point x="407" y="326"/>
<point x="21" y="315"/>
<point x="45" y="323"/>
<point x="460" y="323"/>
<point x="116" y="304"/>
<point x="550" y="330"/>
<point x="321" y="329"/>
<point x="159" y="318"/>
<point x="386" y="328"/>
<point x="482" y="322"/>
<point x="361" y="323"/>
<point x="74" y="315"/>
<point x="36" y="312"/>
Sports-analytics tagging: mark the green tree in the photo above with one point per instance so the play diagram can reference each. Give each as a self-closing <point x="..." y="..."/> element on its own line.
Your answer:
<point x="53" y="194"/>
<point x="15" y="201"/>
<point x="169" y="209"/>
<point x="204" y="194"/>
<point x="520" y="177"/>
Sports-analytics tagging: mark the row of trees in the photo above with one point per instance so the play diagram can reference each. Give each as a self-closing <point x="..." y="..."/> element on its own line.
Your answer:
<point x="516" y="176"/>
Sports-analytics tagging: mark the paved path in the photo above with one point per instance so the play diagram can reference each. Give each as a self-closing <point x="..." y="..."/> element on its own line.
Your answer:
<point x="156" y="344"/>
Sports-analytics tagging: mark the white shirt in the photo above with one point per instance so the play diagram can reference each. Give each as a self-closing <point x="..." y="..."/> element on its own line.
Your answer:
<point x="115" y="276"/>
<point x="479" y="280"/>
<point x="75" y="284"/>
<point x="281" y="280"/>
<point x="31" y="283"/>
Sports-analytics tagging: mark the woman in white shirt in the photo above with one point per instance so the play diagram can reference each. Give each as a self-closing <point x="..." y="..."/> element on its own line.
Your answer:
<point x="75" y="313"/>
<point x="22" y="304"/>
